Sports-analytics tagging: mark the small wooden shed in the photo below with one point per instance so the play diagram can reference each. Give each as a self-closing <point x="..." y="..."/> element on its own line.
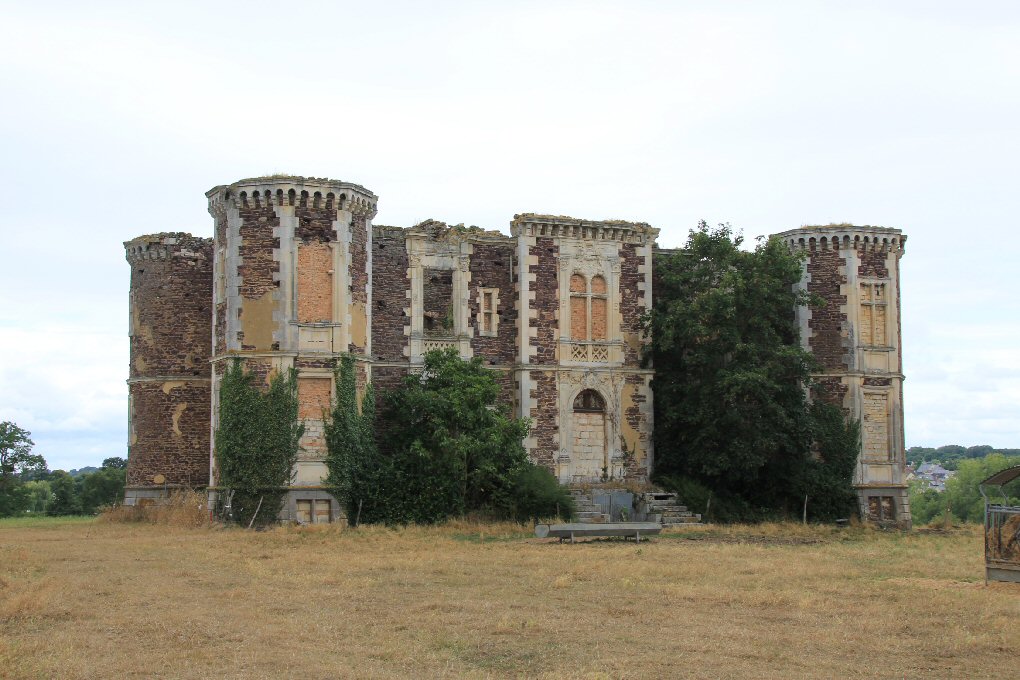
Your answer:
<point x="1002" y="528"/>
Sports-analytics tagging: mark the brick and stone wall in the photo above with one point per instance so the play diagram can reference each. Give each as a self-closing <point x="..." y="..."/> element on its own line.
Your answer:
<point x="390" y="294"/>
<point x="168" y="384"/>
<point x="855" y="336"/>
<point x="828" y="320"/>
<point x="632" y="300"/>
<point x="492" y="266"/>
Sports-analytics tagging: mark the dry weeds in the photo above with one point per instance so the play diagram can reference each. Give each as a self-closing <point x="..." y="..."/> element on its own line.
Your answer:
<point x="100" y="600"/>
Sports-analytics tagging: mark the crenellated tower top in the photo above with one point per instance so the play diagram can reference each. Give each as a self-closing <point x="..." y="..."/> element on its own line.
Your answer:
<point x="166" y="244"/>
<point x="292" y="190"/>
<point x="845" y="236"/>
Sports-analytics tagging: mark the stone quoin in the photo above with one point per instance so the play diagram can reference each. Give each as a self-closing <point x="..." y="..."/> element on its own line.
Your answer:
<point x="296" y="274"/>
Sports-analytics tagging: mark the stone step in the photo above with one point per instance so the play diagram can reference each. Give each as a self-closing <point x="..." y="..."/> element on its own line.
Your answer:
<point x="582" y="516"/>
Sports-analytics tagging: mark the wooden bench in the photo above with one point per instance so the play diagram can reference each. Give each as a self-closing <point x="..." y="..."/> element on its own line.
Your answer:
<point x="625" y="529"/>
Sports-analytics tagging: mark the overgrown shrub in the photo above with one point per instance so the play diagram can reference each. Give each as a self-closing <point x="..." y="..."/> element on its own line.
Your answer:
<point x="536" y="494"/>
<point x="448" y="448"/>
<point x="256" y="444"/>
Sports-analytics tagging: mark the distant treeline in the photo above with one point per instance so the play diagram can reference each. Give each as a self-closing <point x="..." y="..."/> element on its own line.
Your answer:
<point x="951" y="454"/>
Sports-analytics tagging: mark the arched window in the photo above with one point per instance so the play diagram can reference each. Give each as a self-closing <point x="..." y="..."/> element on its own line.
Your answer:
<point x="588" y="308"/>
<point x="578" y="307"/>
<point x="589" y="401"/>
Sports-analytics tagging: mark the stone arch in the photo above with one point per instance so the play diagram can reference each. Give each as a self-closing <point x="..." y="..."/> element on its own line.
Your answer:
<point x="589" y="453"/>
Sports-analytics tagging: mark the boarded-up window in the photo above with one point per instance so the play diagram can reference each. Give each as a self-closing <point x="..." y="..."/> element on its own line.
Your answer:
<point x="315" y="283"/>
<point x="578" y="317"/>
<point x="598" y="318"/>
<point x="488" y="301"/>
<point x="588" y="308"/>
<point x="882" y="508"/>
<point x="312" y="511"/>
<point x="437" y="302"/>
<point x="875" y="426"/>
<point x="873" y="314"/>
<point x="313" y="396"/>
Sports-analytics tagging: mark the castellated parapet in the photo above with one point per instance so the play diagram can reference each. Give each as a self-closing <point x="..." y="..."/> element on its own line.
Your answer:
<point x="855" y="336"/>
<point x="168" y="384"/>
<point x="297" y="275"/>
<point x="292" y="284"/>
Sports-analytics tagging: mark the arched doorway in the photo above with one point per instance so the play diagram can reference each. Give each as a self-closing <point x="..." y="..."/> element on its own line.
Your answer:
<point x="588" y="450"/>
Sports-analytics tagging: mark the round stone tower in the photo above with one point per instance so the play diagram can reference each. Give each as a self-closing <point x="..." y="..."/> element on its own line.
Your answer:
<point x="855" y="336"/>
<point x="292" y="286"/>
<point x="168" y="384"/>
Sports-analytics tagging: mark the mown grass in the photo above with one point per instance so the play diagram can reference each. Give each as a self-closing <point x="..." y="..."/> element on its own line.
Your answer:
<point x="114" y="599"/>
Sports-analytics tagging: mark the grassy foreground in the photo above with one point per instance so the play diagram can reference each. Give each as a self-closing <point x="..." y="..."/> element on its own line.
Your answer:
<point x="103" y="600"/>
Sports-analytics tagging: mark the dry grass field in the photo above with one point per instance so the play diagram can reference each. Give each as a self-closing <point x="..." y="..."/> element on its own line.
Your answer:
<point x="82" y="599"/>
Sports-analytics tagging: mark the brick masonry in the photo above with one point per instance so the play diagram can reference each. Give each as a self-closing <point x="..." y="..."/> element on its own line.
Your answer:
<point x="390" y="287"/>
<point x="827" y="319"/>
<point x="171" y="319"/>
<point x="492" y="266"/>
<point x="315" y="282"/>
<point x="288" y="233"/>
<point x="631" y="301"/>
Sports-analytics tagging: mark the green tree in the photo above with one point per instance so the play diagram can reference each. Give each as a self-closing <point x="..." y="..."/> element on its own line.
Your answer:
<point x="65" y="499"/>
<point x="730" y="408"/>
<point x="39" y="496"/>
<point x="352" y="457"/>
<point x="962" y="492"/>
<point x="101" y="488"/>
<point x="16" y="459"/>
<point x="449" y="447"/>
<point x="963" y="495"/>
<point x="116" y="463"/>
<point x="257" y="443"/>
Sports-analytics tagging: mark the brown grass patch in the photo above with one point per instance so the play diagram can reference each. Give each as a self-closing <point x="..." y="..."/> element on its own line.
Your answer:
<point x="127" y="599"/>
<point x="187" y="509"/>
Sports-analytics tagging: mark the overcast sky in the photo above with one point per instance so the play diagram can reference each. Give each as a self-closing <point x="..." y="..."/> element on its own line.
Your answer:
<point x="116" y="118"/>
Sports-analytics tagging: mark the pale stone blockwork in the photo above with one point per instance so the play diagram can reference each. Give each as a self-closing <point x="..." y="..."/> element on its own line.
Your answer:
<point x="554" y="310"/>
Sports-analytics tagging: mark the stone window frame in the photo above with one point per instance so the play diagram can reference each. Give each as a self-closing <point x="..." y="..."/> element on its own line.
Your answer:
<point x="423" y="254"/>
<point x="880" y="502"/>
<point x="868" y="300"/>
<point x="588" y="295"/>
<point x="313" y="502"/>
<point x="589" y="260"/>
<point x="306" y="455"/>
<point x="314" y="337"/>
<point x="493" y="313"/>
<point x="890" y="450"/>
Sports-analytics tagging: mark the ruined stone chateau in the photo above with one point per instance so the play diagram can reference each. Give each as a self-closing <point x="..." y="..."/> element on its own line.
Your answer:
<point x="296" y="274"/>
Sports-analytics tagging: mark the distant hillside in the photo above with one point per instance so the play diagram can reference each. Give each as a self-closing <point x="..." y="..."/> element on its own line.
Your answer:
<point x="950" y="454"/>
<point x="83" y="471"/>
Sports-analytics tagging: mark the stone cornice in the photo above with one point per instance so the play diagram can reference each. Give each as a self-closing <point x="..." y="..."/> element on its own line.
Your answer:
<point x="845" y="236"/>
<point x="560" y="226"/>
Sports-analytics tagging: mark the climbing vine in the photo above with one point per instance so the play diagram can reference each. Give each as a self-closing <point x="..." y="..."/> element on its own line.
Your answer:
<point x="351" y="456"/>
<point x="256" y="444"/>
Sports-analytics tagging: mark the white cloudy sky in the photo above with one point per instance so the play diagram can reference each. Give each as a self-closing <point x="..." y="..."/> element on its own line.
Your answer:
<point x="117" y="117"/>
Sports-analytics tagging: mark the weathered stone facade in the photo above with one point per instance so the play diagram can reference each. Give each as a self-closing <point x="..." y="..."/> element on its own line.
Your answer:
<point x="297" y="274"/>
<point x="168" y="384"/>
<point x="855" y="335"/>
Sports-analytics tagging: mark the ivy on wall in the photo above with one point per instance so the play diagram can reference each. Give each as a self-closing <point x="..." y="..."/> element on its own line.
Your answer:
<point x="350" y="443"/>
<point x="256" y="444"/>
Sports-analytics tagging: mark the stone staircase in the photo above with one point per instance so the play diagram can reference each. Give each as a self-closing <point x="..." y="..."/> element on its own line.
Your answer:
<point x="665" y="504"/>
<point x="589" y="511"/>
